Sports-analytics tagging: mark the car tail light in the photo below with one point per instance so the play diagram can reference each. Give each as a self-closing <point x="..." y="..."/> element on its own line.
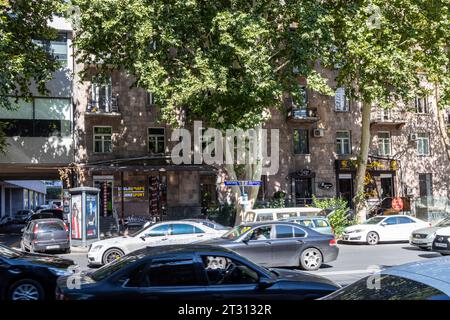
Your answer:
<point x="36" y="228"/>
<point x="66" y="227"/>
<point x="332" y="242"/>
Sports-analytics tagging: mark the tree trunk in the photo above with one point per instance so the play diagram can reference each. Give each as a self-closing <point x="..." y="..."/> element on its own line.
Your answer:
<point x="442" y="123"/>
<point x="359" y="200"/>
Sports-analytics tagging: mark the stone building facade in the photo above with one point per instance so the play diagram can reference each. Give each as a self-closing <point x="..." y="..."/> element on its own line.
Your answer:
<point x="125" y="151"/>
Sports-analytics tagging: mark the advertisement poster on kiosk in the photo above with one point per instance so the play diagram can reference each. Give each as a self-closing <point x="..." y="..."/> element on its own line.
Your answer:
<point x="91" y="216"/>
<point x="76" y="219"/>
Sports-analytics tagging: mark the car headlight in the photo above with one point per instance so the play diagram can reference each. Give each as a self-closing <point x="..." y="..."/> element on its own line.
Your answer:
<point x="95" y="248"/>
<point x="60" y="272"/>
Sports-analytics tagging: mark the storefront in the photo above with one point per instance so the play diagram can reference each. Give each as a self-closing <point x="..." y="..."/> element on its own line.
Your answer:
<point x="302" y="186"/>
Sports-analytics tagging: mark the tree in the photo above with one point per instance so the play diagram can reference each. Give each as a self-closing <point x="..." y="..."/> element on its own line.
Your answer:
<point x="23" y="62"/>
<point x="224" y="62"/>
<point x="384" y="51"/>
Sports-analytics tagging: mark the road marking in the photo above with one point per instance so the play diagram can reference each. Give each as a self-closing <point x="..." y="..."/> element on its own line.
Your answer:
<point x="335" y="273"/>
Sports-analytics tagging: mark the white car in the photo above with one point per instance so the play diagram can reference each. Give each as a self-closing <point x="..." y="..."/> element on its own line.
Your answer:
<point x="383" y="228"/>
<point x="163" y="233"/>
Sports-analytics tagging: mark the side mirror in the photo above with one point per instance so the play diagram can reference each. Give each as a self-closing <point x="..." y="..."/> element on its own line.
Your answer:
<point x="146" y="224"/>
<point x="383" y="224"/>
<point x="264" y="283"/>
<point x="142" y="238"/>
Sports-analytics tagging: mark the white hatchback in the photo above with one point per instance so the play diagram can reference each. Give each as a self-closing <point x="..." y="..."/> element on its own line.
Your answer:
<point x="383" y="228"/>
<point x="163" y="233"/>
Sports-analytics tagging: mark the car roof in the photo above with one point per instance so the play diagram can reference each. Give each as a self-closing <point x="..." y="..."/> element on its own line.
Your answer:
<point x="48" y="220"/>
<point x="305" y="217"/>
<point x="433" y="272"/>
<point x="182" y="248"/>
<point x="262" y="223"/>
<point x="286" y="210"/>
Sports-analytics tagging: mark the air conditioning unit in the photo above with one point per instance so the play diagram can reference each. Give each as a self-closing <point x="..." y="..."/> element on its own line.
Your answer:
<point x="413" y="136"/>
<point x="318" y="133"/>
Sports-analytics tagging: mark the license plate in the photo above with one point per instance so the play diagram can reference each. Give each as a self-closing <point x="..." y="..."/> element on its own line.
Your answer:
<point x="440" y="245"/>
<point x="53" y="247"/>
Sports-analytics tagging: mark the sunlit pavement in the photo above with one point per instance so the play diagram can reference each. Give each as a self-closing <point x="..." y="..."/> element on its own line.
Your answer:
<point x="354" y="262"/>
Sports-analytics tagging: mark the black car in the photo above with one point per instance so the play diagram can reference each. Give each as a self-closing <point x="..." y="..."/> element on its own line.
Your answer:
<point x="21" y="216"/>
<point x="192" y="272"/>
<point x="28" y="276"/>
<point x="280" y="244"/>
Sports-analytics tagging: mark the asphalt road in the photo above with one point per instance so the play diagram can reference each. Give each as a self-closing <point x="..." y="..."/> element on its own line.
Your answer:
<point x="354" y="261"/>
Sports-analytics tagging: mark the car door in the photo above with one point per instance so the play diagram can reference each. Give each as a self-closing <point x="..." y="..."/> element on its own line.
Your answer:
<point x="174" y="278"/>
<point x="286" y="247"/>
<point x="256" y="245"/>
<point x="230" y="279"/>
<point x="182" y="233"/>
<point x="26" y="237"/>
<point x="390" y="230"/>
<point x="406" y="227"/>
<point x="152" y="236"/>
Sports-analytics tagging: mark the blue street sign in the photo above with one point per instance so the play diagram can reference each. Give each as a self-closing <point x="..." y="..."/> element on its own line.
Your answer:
<point x="243" y="183"/>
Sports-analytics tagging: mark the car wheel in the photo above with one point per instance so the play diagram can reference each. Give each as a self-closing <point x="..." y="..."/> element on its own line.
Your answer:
<point x="311" y="259"/>
<point x="112" y="255"/>
<point x="372" y="238"/>
<point x="67" y="250"/>
<point x="26" y="289"/>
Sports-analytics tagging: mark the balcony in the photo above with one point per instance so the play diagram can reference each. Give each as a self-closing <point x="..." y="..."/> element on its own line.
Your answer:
<point x="391" y="118"/>
<point x="104" y="107"/>
<point x="304" y="115"/>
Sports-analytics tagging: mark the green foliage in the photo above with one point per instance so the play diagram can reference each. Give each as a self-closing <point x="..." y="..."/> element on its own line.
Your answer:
<point x="339" y="219"/>
<point x="22" y="62"/>
<point x="224" y="62"/>
<point x="224" y="215"/>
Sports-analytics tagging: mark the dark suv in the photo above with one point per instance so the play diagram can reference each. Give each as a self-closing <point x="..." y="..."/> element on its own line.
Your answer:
<point x="45" y="235"/>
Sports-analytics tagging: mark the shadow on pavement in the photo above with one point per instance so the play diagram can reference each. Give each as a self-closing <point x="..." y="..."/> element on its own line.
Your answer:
<point x="430" y="255"/>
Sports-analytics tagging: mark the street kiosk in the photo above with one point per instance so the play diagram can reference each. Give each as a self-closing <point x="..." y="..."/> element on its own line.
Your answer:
<point x="84" y="216"/>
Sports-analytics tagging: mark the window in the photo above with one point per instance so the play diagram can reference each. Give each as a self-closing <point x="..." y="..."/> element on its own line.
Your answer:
<point x="422" y="104"/>
<point x="299" y="233"/>
<point x="149" y="99"/>
<point x="301" y="141"/>
<point x="343" y="142"/>
<point x="384" y="114"/>
<point x="300" y="98"/>
<point x="159" y="231"/>
<point x="40" y="117"/>
<point x="261" y="233"/>
<point x="102" y="139"/>
<point x="306" y="222"/>
<point x="101" y="95"/>
<point x="263" y="217"/>
<point x="341" y="101"/>
<point x="402" y="220"/>
<point x="215" y="267"/>
<point x="391" y="288"/>
<point x="425" y="184"/>
<point x="391" y="221"/>
<point x="283" y="232"/>
<point x="156" y="140"/>
<point x="178" y="229"/>
<point x="423" y="144"/>
<point x="56" y="48"/>
<point x="384" y="143"/>
<point x="320" y="223"/>
<point x="168" y="273"/>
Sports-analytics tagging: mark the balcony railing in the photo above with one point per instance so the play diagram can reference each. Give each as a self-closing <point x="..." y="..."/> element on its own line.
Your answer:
<point x="303" y="114"/>
<point x="388" y="118"/>
<point x="103" y="107"/>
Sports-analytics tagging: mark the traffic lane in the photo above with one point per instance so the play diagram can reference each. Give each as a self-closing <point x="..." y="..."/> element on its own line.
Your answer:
<point x="356" y="261"/>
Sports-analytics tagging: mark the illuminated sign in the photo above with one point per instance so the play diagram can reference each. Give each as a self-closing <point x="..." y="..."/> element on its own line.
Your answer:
<point x="131" y="192"/>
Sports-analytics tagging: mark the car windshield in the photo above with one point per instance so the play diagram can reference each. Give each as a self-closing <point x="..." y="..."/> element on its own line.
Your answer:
<point x="374" y="220"/>
<point x="236" y="232"/>
<point x="107" y="270"/>
<point x="9" y="253"/>
<point x="444" y="223"/>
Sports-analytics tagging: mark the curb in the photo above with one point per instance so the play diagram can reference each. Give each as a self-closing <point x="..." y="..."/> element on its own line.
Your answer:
<point x="79" y="249"/>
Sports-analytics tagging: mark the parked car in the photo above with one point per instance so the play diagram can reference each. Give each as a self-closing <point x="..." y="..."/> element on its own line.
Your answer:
<point x="48" y="214"/>
<point x="274" y="214"/>
<point x="209" y="223"/>
<point x="27" y="276"/>
<point x="45" y="235"/>
<point x="21" y="216"/>
<point x="5" y="220"/>
<point x="423" y="238"/>
<point x="319" y="224"/>
<point x="421" y="280"/>
<point x="441" y="241"/>
<point x="193" y="272"/>
<point x="280" y="244"/>
<point x="162" y="233"/>
<point x="383" y="228"/>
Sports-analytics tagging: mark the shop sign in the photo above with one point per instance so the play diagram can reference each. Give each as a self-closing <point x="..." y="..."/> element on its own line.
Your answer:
<point x="242" y="183"/>
<point x="325" y="185"/>
<point x="131" y="192"/>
